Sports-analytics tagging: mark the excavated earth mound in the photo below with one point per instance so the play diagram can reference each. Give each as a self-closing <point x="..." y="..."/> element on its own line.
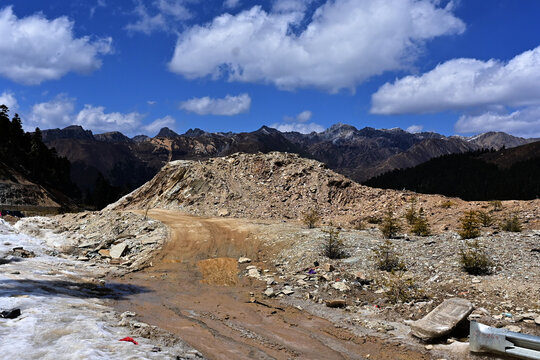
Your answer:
<point x="286" y="186"/>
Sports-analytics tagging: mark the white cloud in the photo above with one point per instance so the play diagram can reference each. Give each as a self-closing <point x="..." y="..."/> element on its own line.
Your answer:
<point x="151" y="102"/>
<point x="156" y="125"/>
<point x="345" y="42"/>
<point x="57" y="113"/>
<point x="146" y="23"/>
<point x="229" y="105"/>
<point x="8" y="98"/>
<point x="302" y="117"/>
<point x="231" y="4"/>
<point x="524" y="122"/>
<point x="35" y="49"/>
<point x="175" y="8"/>
<point x="163" y="15"/>
<point x="298" y="127"/>
<point x="95" y="118"/>
<point x="462" y="84"/>
<point x="413" y="129"/>
<point x="298" y="123"/>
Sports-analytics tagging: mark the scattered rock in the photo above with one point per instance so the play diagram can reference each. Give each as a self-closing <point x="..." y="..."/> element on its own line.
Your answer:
<point x="10" y="314"/>
<point x="244" y="260"/>
<point x="287" y="290"/>
<point x="513" y="328"/>
<point x="442" y="320"/>
<point x="337" y="303"/>
<point x="104" y="253"/>
<point x="118" y="250"/>
<point x="269" y="292"/>
<point x="526" y="316"/>
<point x="341" y="286"/>
<point x="22" y="253"/>
<point x="328" y="267"/>
<point x="223" y="212"/>
<point x="254" y="273"/>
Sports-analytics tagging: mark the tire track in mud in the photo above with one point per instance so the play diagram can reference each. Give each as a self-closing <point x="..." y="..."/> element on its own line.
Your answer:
<point x="219" y="321"/>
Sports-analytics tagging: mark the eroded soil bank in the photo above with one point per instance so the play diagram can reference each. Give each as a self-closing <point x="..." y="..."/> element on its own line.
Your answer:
<point x="223" y="321"/>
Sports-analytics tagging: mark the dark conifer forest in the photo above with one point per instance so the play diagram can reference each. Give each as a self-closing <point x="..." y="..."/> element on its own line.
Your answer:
<point x="470" y="176"/>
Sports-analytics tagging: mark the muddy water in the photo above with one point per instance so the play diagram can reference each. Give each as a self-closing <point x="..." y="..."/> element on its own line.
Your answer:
<point x="206" y="304"/>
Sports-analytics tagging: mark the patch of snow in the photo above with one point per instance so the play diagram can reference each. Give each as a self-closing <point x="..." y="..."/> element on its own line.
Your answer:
<point x="62" y="315"/>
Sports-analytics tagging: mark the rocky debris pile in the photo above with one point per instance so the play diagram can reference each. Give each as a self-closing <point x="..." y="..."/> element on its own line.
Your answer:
<point x="125" y="239"/>
<point x="507" y="297"/>
<point x="286" y="186"/>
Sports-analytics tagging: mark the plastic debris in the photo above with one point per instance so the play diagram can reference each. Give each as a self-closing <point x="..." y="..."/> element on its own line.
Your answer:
<point x="129" y="339"/>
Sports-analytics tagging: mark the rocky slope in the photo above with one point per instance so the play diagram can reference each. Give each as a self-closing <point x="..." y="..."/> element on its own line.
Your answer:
<point x="285" y="186"/>
<point x="18" y="193"/>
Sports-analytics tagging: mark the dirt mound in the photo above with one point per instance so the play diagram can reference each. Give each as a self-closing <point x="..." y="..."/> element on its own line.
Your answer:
<point x="285" y="186"/>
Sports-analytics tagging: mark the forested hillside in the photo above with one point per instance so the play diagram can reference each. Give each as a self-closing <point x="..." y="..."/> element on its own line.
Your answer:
<point x="479" y="175"/>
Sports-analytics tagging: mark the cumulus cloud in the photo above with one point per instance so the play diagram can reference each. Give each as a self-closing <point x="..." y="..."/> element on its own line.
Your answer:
<point x="298" y="127"/>
<point x="302" y="117"/>
<point x="343" y="43"/>
<point x="229" y="105"/>
<point x="35" y="49"/>
<point x="298" y="123"/>
<point x="524" y="122"/>
<point x="162" y="15"/>
<point x="231" y="4"/>
<point x="8" y="98"/>
<point x="95" y="118"/>
<point x="463" y="84"/>
<point x="57" y="113"/>
<point x="413" y="129"/>
<point x="156" y="125"/>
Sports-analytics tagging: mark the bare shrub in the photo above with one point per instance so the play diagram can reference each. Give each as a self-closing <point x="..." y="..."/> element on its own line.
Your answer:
<point x="311" y="218"/>
<point x="420" y="225"/>
<point x="497" y="205"/>
<point x="469" y="225"/>
<point x="447" y="204"/>
<point x="402" y="288"/>
<point x="512" y="224"/>
<point x="333" y="246"/>
<point x="390" y="225"/>
<point x="386" y="258"/>
<point x="484" y="218"/>
<point x="358" y="224"/>
<point x="474" y="259"/>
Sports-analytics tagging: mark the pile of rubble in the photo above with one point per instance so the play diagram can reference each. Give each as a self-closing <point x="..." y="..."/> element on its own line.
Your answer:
<point x="285" y="186"/>
<point x="300" y="274"/>
<point x="125" y="239"/>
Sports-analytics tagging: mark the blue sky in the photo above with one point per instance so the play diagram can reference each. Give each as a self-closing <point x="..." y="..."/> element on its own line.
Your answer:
<point x="454" y="67"/>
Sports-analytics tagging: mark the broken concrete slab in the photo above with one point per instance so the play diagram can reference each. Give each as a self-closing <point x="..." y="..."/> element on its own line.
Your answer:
<point x="118" y="250"/>
<point x="442" y="320"/>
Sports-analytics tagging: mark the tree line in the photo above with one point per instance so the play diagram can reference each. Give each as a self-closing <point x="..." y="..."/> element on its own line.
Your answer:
<point x="466" y="176"/>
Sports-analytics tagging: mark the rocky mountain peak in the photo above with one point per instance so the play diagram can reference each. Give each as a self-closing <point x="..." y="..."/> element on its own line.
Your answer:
<point x="70" y="132"/>
<point x="195" y="132"/>
<point x="166" y="133"/>
<point x="113" y="137"/>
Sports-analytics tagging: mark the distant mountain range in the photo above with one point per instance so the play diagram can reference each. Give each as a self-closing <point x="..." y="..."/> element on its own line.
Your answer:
<point x="126" y="163"/>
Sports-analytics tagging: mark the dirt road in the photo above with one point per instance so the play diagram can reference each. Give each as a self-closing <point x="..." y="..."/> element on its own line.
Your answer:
<point x="206" y="304"/>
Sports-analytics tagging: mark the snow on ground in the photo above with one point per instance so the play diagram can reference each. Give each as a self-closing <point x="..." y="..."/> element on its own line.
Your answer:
<point x="62" y="315"/>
